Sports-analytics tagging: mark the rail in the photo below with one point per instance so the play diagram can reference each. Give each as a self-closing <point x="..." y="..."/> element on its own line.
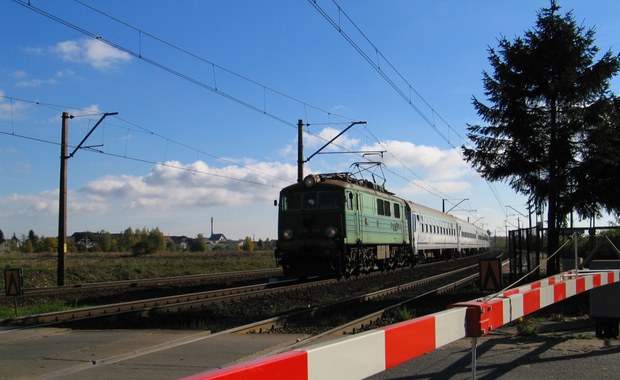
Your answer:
<point x="157" y="281"/>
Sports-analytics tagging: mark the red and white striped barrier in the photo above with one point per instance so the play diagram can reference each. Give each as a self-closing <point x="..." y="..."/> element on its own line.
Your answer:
<point x="489" y="314"/>
<point x="362" y="355"/>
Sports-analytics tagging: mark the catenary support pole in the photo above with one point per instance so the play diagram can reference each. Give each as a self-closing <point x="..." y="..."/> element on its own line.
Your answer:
<point x="62" y="201"/>
<point x="300" y="151"/>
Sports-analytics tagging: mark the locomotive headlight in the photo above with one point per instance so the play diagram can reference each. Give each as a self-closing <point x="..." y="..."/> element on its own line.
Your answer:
<point x="311" y="180"/>
<point x="330" y="232"/>
<point x="287" y="234"/>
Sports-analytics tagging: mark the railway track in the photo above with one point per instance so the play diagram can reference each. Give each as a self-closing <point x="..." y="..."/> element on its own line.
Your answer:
<point x="434" y="286"/>
<point x="447" y="282"/>
<point x="150" y="282"/>
<point x="166" y="304"/>
<point x="195" y="301"/>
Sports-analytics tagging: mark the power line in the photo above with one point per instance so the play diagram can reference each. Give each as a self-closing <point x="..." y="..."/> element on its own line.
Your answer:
<point x="375" y="65"/>
<point x="139" y="55"/>
<point x="142" y="160"/>
<point x="138" y="128"/>
<point x="213" y="87"/>
<point x="210" y="87"/>
<point x="392" y="82"/>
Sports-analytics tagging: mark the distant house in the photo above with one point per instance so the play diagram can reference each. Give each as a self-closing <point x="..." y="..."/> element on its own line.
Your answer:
<point x="12" y="244"/>
<point x="217" y="238"/>
<point x="182" y="242"/>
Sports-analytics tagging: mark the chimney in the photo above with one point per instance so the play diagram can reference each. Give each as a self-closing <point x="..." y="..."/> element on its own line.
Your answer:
<point x="211" y="226"/>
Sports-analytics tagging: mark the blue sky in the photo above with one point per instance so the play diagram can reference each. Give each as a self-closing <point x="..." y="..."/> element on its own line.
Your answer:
<point x="208" y="94"/>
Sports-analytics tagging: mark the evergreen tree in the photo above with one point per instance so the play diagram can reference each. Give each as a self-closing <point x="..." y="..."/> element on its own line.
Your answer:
<point x="548" y="101"/>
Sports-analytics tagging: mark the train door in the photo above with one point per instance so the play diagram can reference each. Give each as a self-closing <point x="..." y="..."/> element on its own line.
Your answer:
<point x="413" y="227"/>
<point x="352" y="212"/>
<point x="360" y="215"/>
<point x="458" y="238"/>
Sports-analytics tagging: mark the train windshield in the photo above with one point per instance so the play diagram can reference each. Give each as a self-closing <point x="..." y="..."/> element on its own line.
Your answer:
<point x="311" y="200"/>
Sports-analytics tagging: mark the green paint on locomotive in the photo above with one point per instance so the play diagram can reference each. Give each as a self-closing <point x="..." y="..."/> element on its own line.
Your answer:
<point x="374" y="218"/>
<point x="326" y="226"/>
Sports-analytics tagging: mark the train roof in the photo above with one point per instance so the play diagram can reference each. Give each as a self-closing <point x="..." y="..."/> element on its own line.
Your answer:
<point x="343" y="179"/>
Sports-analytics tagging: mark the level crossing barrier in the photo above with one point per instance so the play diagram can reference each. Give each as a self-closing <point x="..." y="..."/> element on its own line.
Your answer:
<point x="365" y="354"/>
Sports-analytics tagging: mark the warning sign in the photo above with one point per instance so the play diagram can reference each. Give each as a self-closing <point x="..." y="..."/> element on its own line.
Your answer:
<point x="13" y="282"/>
<point x="490" y="274"/>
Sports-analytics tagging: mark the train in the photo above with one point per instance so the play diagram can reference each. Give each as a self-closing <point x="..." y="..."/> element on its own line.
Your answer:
<point x="337" y="225"/>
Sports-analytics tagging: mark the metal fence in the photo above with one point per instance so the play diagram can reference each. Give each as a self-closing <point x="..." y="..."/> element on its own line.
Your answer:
<point x="527" y="248"/>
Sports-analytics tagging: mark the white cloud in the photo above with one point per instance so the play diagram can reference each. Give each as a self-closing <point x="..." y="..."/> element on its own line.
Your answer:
<point x="181" y="197"/>
<point x="24" y="80"/>
<point x="427" y="169"/>
<point x="177" y="185"/>
<point x="94" y="52"/>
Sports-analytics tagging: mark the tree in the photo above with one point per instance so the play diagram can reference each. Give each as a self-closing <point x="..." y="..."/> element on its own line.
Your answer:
<point x="248" y="244"/>
<point x="547" y="99"/>
<point x="49" y="244"/>
<point x="127" y="240"/>
<point x="597" y="182"/>
<point x="199" y="244"/>
<point x="148" y="242"/>
<point x="34" y="241"/>
<point x="1" y="237"/>
<point x="27" y="247"/>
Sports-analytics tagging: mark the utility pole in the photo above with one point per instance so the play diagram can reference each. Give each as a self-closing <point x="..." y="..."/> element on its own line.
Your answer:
<point x="300" y="151"/>
<point x="62" y="202"/>
<point x="300" y="147"/>
<point x="443" y="205"/>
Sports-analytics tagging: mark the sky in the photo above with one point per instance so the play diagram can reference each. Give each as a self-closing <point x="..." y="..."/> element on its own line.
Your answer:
<point x="209" y="93"/>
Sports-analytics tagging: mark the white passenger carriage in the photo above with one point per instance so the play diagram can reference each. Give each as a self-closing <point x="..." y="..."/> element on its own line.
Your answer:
<point x="439" y="235"/>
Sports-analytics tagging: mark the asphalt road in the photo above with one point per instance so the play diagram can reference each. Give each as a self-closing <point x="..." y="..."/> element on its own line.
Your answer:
<point x="46" y="353"/>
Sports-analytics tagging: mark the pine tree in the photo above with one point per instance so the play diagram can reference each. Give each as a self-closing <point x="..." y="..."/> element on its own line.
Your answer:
<point x="547" y="98"/>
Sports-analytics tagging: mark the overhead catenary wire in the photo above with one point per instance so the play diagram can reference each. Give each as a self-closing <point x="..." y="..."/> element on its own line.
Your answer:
<point x="213" y="88"/>
<point x="392" y="82"/>
<point x="142" y="160"/>
<point x="136" y="128"/>
<point x="140" y="54"/>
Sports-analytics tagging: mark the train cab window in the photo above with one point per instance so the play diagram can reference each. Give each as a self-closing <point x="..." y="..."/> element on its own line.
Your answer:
<point x="310" y="201"/>
<point x="329" y="200"/>
<point x="350" y="201"/>
<point x="387" y="208"/>
<point x="290" y="202"/>
<point x="396" y="210"/>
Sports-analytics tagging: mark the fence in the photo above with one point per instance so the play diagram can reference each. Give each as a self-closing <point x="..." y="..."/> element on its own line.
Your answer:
<point x="527" y="249"/>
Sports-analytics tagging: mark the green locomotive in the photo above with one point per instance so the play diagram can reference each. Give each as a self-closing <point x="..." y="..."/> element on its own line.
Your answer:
<point x="337" y="225"/>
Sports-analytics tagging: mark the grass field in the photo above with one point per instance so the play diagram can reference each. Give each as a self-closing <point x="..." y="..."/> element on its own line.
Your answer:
<point x="40" y="269"/>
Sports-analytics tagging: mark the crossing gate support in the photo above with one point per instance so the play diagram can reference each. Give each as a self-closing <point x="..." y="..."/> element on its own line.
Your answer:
<point x="362" y="355"/>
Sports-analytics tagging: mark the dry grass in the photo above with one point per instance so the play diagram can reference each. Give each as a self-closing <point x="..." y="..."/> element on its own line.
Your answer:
<point x="40" y="269"/>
